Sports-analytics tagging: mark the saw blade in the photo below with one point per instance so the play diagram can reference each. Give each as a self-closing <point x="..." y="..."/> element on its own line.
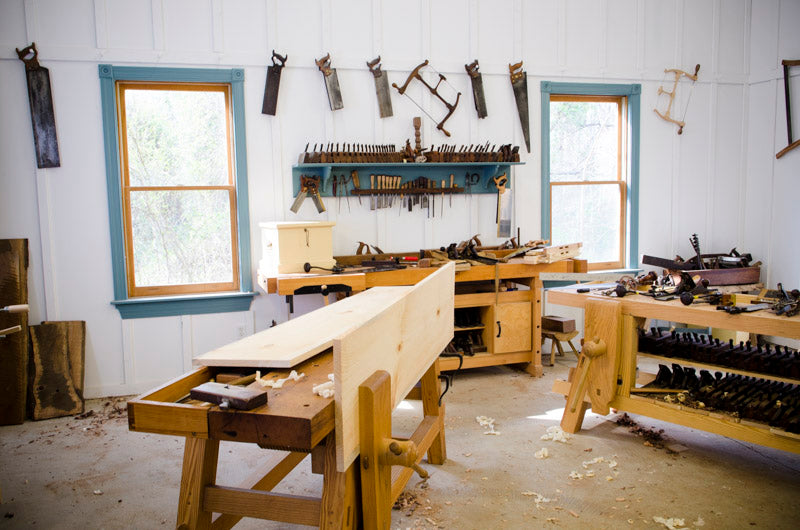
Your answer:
<point x="384" y="96"/>
<point x="519" y="82"/>
<point x="43" y="119"/>
<point x="271" y="90"/>
<point x="334" y="92"/>
<point x="477" y="88"/>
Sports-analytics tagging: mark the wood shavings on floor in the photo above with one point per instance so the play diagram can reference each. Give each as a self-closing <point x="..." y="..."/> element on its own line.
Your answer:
<point x="487" y="422"/>
<point x="556" y="434"/>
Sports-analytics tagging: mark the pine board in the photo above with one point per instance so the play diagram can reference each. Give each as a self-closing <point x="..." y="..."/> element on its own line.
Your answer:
<point x="403" y="338"/>
<point x="294" y="341"/>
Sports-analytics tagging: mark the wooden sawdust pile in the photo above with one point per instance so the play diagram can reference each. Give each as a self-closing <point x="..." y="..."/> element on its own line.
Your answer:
<point x="652" y="437"/>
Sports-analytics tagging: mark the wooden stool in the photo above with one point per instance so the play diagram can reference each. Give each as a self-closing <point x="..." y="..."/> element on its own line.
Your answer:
<point x="558" y="337"/>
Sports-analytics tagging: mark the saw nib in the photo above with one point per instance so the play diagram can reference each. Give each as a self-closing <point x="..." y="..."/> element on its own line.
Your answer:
<point x="519" y="82"/>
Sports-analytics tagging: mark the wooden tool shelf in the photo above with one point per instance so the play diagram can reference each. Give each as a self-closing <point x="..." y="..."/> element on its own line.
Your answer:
<point x="611" y="376"/>
<point x="718" y="368"/>
<point x="435" y="171"/>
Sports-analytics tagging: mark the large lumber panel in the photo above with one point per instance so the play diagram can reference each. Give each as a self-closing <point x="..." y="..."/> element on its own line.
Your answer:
<point x="403" y="339"/>
<point x="292" y="342"/>
<point x="53" y="393"/>
<point x="14" y="346"/>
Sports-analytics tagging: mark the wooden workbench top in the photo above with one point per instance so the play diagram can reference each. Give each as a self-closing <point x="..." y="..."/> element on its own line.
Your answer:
<point x="762" y="322"/>
<point x="516" y="268"/>
<point x="294" y="418"/>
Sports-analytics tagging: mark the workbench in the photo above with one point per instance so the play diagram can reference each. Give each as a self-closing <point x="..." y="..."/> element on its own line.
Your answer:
<point x="612" y="326"/>
<point x="377" y="348"/>
<point x="509" y="326"/>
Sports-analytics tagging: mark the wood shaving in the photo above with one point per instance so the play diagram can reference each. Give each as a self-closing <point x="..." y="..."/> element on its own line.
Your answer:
<point x="556" y="434"/>
<point x="542" y="453"/>
<point x="326" y="389"/>
<point x="575" y="475"/>
<point x="488" y="422"/>
<point x="672" y="523"/>
<point x="574" y="514"/>
<point x="278" y="383"/>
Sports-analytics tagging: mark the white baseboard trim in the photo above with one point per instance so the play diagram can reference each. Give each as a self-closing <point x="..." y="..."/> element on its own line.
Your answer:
<point x="130" y="389"/>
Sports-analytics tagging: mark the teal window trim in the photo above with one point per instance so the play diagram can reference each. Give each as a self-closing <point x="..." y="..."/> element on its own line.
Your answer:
<point x="174" y="305"/>
<point x="633" y="93"/>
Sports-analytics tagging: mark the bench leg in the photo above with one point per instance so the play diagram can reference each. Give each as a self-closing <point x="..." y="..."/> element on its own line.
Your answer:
<point x="199" y="470"/>
<point x="430" y="387"/>
<point x="340" y="498"/>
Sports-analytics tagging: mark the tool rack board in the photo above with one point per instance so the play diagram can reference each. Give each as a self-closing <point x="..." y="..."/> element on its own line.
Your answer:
<point x="612" y="377"/>
<point x="435" y="171"/>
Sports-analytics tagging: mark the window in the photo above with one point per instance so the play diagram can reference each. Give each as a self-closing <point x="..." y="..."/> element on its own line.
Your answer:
<point x="590" y="151"/>
<point x="177" y="187"/>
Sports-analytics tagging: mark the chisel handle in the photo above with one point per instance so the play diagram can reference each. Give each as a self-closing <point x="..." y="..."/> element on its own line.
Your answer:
<point x="18" y="308"/>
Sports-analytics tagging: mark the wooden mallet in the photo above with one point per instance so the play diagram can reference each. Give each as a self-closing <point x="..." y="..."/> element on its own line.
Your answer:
<point x="591" y="349"/>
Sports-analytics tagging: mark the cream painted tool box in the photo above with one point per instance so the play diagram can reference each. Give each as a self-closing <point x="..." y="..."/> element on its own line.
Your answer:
<point x="287" y="246"/>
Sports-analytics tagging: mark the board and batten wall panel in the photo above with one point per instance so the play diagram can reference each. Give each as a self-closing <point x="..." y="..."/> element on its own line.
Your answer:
<point x="722" y="165"/>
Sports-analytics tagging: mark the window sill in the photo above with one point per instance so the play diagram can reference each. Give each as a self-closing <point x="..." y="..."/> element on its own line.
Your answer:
<point x="560" y="279"/>
<point x="163" y="306"/>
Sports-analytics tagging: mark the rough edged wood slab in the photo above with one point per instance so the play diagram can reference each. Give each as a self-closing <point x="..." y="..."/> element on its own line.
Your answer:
<point x="14" y="346"/>
<point x="53" y="393"/>
<point x="404" y="339"/>
<point x="292" y="342"/>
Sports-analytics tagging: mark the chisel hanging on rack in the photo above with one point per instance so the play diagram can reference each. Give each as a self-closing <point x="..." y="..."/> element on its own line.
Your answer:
<point x="43" y="118"/>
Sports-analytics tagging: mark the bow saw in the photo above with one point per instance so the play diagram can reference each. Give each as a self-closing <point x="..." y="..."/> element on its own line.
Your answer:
<point x="678" y="74"/>
<point x="433" y="90"/>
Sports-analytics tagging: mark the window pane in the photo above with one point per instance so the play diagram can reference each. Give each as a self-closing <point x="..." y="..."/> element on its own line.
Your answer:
<point x="583" y="140"/>
<point x="176" y="137"/>
<point x="181" y="237"/>
<point x="589" y="214"/>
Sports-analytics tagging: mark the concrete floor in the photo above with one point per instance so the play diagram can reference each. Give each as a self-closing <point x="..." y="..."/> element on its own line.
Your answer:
<point x="94" y="473"/>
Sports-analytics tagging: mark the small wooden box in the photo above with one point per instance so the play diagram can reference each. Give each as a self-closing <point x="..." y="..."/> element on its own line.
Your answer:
<point x="559" y="324"/>
<point x="287" y="246"/>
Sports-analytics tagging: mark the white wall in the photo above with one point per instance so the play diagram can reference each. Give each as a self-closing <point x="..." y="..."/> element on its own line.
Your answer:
<point x="719" y="179"/>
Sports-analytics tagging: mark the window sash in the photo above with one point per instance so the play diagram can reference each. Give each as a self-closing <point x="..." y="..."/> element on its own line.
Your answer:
<point x="620" y="261"/>
<point x="126" y="189"/>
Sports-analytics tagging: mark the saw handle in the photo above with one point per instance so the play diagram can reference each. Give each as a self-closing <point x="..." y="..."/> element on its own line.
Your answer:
<point x="281" y="60"/>
<point x="324" y="65"/>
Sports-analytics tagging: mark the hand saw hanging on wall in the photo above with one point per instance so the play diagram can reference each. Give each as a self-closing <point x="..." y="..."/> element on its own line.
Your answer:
<point x="519" y="82"/>
<point x="43" y="118"/>
<point x="273" y="84"/>
<point x="477" y="87"/>
<point x="331" y="82"/>
<point x="381" y="88"/>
